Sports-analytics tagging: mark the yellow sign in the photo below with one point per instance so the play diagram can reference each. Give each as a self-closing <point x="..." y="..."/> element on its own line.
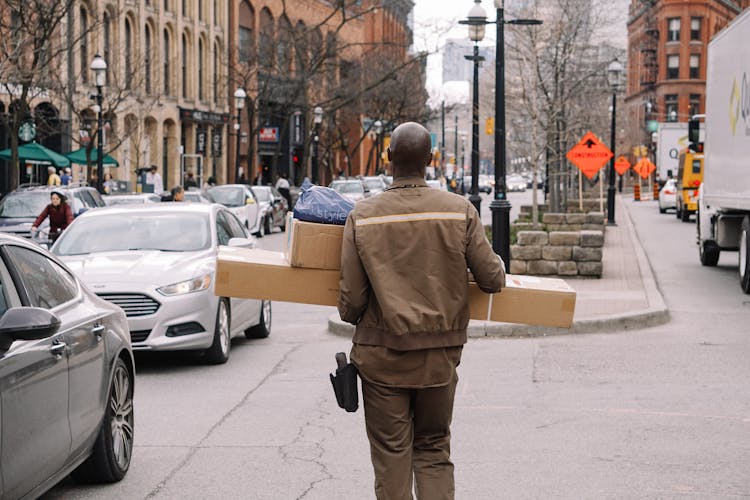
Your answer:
<point x="489" y="126"/>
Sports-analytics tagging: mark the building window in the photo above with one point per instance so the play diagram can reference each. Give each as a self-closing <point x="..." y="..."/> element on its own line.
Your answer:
<point x="147" y="59"/>
<point x="200" y="10"/>
<point x="185" y="8"/>
<point x="128" y="54"/>
<point x="246" y="44"/>
<point x="695" y="65"/>
<point x="670" y="105"/>
<point x="673" y="67"/>
<point x="265" y="43"/>
<point x="166" y="63"/>
<point x="201" y="87"/>
<point x="216" y="74"/>
<point x="166" y="5"/>
<point x="673" y="29"/>
<point x="107" y="27"/>
<point x="216" y="12"/>
<point x="184" y="67"/>
<point x="84" y="46"/>
<point x="695" y="28"/>
<point x="694" y="107"/>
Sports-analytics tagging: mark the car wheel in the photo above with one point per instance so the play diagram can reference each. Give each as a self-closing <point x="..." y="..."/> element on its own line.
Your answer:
<point x="263" y="328"/>
<point x="684" y="215"/>
<point x="218" y="353"/>
<point x="267" y="229"/>
<point x="677" y="211"/>
<point x="662" y="210"/>
<point x="282" y="226"/>
<point x="110" y="457"/>
<point x="744" y="267"/>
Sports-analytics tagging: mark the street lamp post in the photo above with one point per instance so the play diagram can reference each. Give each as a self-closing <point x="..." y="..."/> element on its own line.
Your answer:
<point x="317" y="119"/>
<point x="99" y="67"/>
<point x="378" y="125"/>
<point x="614" y="70"/>
<point x="500" y="205"/>
<point x="477" y="19"/>
<point x="239" y="102"/>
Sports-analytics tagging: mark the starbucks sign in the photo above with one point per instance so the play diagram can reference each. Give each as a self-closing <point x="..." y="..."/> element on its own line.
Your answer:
<point x="27" y="131"/>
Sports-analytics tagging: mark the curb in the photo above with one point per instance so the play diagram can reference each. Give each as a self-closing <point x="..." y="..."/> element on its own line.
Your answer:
<point x="656" y="314"/>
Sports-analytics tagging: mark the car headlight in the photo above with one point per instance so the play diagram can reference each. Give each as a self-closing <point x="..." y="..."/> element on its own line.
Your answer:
<point x="188" y="286"/>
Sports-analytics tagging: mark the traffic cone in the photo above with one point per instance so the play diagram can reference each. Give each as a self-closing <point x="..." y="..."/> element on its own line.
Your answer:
<point x="637" y="192"/>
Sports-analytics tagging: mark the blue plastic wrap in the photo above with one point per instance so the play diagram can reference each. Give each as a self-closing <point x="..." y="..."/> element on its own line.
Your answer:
<point x="322" y="205"/>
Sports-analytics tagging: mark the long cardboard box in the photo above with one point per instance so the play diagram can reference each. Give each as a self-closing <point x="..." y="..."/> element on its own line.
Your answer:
<point x="259" y="274"/>
<point x="317" y="246"/>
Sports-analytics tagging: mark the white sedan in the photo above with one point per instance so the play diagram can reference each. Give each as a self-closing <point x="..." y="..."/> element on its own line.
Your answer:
<point x="241" y="201"/>
<point x="668" y="196"/>
<point x="158" y="263"/>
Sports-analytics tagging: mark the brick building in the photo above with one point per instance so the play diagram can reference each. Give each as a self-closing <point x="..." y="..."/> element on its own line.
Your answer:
<point x="667" y="49"/>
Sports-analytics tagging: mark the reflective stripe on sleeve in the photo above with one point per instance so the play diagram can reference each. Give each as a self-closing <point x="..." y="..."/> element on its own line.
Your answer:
<point x="385" y="219"/>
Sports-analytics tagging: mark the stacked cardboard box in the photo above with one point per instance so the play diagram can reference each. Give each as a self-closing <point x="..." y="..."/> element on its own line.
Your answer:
<point x="308" y="273"/>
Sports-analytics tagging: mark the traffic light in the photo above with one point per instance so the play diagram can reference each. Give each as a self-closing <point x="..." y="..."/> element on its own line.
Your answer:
<point x="489" y="126"/>
<point x="297" y="157"/>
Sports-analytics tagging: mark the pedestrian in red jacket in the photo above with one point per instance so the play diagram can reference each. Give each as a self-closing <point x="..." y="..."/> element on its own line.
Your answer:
<point x="59" y="213"/>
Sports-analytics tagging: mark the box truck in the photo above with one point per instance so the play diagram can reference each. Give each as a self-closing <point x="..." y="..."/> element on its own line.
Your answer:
<point x="671" y="139"/>
<point x="723" y="220"/>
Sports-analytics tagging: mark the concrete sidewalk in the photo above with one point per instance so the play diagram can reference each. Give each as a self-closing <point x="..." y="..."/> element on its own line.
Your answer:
<point x="625" y="297"/>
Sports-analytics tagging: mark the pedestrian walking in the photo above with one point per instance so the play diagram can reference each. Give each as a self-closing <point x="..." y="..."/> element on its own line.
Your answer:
<point x="282" y="184"/>
<point x="52" y="178"/>
<point x="59" y="213"/>
<point x="190" y="181"/>
<point x="211" y="182"/>
<point x="404" y="284"/>
<point x="66" y="178"/>
<point x="154" y="178"/>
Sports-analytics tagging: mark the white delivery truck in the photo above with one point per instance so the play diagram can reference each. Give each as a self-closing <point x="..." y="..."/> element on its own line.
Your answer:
<point x="671" y="138"/>
<point x="723" y="220"/>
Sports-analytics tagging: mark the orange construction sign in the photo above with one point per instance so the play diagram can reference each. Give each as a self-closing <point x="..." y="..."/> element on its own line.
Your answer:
<point x="644" y="167"/>
<point x="622" y="165"/>
<point x="589" y="155"/>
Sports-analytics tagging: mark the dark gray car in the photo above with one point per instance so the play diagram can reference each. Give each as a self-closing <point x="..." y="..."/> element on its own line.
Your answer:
<point x="66" y="376"/>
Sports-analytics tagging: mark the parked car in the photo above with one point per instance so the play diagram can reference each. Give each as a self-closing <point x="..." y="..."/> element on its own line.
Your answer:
<point x="131" y="199"/>
<point x="515" y="183"/>
<point x="196" y="197"/>
<point x="240" y="200"/>
<point x="668" y="196"/>
<point x="486" y="183"/>
<point x="482" y="185"/>
<point x="353" y="189"/>
<point x="66" y="376"/>
<point x="374" y="185"/>
<point x="158" y="263"/>
<point x="273" y="208"/>
<point x="20" y="207"/>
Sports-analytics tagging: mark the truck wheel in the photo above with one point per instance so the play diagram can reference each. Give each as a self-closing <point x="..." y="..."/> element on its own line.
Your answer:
<point x="744" y="255"/>
<point x="685" y="215"/>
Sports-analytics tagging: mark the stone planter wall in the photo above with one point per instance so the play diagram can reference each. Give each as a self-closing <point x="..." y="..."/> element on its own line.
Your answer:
<point x="576" y="252"/>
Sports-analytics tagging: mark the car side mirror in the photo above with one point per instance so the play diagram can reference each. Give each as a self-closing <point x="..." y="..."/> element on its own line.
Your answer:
<point x="28" y="323"/>
<point x="241" y="243"/>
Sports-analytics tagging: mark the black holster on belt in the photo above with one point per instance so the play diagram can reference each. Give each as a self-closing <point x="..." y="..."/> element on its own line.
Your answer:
<point x="345" y="384"/>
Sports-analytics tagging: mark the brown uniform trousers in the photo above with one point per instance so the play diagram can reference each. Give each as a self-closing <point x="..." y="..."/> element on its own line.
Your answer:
<point x="409" y="433"/>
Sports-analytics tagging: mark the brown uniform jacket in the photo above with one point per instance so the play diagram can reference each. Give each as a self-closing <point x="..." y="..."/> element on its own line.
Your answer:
<point x="403" y="267"/>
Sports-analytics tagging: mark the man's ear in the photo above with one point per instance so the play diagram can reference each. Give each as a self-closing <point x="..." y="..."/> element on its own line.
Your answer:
<point x="429" y="159"/>
<point x="388" y="152"/>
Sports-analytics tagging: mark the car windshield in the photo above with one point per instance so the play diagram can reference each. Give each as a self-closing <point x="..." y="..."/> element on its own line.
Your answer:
<point x="24" y="204"/>
<point x="228" y="196"/>
<point x="374" y="184"/>
<point x="348" y="187"/>
<point x="114" y="232"/>
<point x="125" y="200"/>
<point x="262" y="194"/>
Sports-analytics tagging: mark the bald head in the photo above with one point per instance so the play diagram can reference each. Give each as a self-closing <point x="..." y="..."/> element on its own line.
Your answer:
<point x="410" y="150"/>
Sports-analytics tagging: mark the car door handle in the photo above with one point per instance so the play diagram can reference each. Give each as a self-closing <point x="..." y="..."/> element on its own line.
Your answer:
<point x="98" y="330"/>
<point x="57" y="348"/>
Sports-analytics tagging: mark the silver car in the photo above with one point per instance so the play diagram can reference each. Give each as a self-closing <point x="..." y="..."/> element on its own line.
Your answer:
<point x="353" y="189"/>
<point x="240" y="199"/>
<point x="158" y="263"/>
<point x="131" y="199"/>
<point x="66" y="376"/>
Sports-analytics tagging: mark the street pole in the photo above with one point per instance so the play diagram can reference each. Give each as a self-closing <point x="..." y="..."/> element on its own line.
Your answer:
<point x="455" y="147"/>
<point x="237" y="135"/>
<point x="100" y="145"/>
<point x="500" y="206"/>
<point x="611" y="188"/>
<point x="442" y="142"/>
<point x="316" y="140"/>
<point x="474" y="197"/>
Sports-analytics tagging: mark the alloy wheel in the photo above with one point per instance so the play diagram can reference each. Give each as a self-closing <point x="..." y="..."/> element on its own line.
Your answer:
<point x="121" y="409"/>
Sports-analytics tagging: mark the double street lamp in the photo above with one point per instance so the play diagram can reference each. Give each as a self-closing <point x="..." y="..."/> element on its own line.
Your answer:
<point x="317" y="120"/>
<point x="500" y="205"/>
<point x="239" y="102"/>
<point x="614" y="71"/>
<point x="99" y="67"/>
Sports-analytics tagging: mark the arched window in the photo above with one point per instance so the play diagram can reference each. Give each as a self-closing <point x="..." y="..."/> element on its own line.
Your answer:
<point x="265" y="43"/>
<point x="147" y="58"/>
<point x="184" y="66"/>
<point x="284" y="45"/>
<point x="247" y="38"/>
<point x="107" y="28"/>
<point x="201" y="74"/>
<point x="166" y="63"/>
<point x="84" y="45"/>
<point x="300" y="49"/>
<point x="128" y="54"/>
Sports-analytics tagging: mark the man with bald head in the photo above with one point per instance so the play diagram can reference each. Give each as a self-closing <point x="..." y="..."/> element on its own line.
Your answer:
<point x="404" y="284"/>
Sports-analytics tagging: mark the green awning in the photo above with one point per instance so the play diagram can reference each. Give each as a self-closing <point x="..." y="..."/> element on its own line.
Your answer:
<point x="79" y="157"/>
<point x="36" y="153"/>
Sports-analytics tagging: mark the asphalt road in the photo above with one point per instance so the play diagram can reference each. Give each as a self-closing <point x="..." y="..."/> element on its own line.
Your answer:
<point x="662" y="413"/>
